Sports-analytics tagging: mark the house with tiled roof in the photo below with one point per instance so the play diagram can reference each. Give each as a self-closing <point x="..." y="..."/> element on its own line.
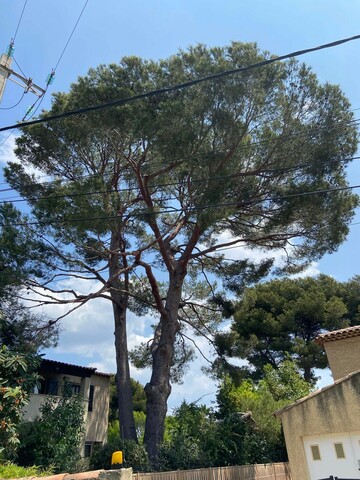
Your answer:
<point x="322" y="430"/>
<point x="91" y="385"/>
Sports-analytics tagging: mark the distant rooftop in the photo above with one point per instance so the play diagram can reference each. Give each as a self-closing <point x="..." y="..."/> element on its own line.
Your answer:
<point x="70" y="369"/>
<point x="338" y="335"/>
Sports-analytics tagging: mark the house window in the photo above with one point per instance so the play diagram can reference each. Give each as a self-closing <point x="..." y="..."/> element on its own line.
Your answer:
<point x="87" y="449"/>
<point x="49" y="386"/>
<point x="91" y="398"/>
<point x="315" y="451"/>
<point x="75" y="389"/>
<point x="339" y="450"/>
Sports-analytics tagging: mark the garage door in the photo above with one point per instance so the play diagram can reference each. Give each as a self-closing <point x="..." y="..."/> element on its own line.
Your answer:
<point x="336" y="455"/>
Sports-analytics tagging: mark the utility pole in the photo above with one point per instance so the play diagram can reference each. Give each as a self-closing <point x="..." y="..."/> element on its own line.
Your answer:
<point x="6" y="73"/>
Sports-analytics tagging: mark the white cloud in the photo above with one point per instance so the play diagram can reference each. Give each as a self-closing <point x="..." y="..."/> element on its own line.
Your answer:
<point x="311" y="271"/>
<point x="7" y="148"/>
<point x="241" y="252"/>
<point x="7" y="142"/>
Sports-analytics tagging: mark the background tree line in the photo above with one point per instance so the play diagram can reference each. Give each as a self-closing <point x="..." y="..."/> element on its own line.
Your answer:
<point x="281" y="318"/>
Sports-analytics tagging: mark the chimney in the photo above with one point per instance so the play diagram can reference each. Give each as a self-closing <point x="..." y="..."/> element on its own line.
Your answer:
<point x="342" y="349"/>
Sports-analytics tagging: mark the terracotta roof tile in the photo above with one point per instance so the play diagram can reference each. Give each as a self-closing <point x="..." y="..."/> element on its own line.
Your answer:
<point x="338" y="335"/>
<point x="54" y="363"/>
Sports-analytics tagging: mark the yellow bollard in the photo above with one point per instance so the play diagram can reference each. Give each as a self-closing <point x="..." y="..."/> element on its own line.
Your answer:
<point x="117" y="459"/>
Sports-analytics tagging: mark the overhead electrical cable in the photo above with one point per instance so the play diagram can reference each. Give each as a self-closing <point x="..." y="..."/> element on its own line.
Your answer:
<point x="215" y="178"/>
<point x="32" y="110"/>
<point x="180" y="86"/>
<point x="15" y="105"/>
<point x="7" y="138"/>
<point x="18" y="25"/>
<point x="21" y="70"/>
<point x="174" y="209"/>
<point x="10" y="53"/>
<point x="51" y="76"/>
<point x="71" y="34"/>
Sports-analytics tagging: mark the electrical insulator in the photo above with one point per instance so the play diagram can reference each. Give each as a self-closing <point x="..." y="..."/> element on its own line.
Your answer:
<point x="50" y="78"/>
<point x="10" y="50"/>
<point x="29" y="110"/>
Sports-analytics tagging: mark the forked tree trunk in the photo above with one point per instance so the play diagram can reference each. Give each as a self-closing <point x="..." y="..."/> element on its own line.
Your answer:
<point x="159" y="388"/>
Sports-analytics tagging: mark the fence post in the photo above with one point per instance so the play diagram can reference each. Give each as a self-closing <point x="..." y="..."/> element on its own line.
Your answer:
<point x="274" y="471"/>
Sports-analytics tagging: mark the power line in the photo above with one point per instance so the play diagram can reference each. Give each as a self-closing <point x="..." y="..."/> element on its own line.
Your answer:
<point x="21" y="70"/>
<point x="234" y="247"/>
<point x="7" y="138"/>
<point x="193" y="209"/>
<point x="13" y="106"/>
<point x="168" y="184"/>
<point x="180" y="86"/>
<point x="18" y="25"/>
<point x="32" y="110"/>
<point x="71" y="34"/>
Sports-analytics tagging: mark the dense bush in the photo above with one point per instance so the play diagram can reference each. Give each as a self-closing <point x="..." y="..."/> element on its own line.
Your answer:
<point x="17" y="377"/>
<point x="54" y="439"/>
<point x="11" y="470"/>
<point x="134" y="455"/>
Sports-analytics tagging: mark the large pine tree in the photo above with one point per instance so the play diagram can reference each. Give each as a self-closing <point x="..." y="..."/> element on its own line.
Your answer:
<point x="164" y="183"/>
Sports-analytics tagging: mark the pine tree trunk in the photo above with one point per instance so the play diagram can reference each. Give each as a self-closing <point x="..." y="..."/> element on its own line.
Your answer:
<point x="119" y="296"/>
<point x="159" y="388"/>
<point x="123" y="383"/>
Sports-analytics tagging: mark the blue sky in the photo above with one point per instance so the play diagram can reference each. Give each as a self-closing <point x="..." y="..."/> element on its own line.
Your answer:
<point x="110" y="29"/>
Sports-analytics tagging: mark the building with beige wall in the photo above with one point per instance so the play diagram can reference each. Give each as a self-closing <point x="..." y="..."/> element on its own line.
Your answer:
<point x="322" y="430"/>
<point x="92" y="386"/>
<point x="342" y="349"/>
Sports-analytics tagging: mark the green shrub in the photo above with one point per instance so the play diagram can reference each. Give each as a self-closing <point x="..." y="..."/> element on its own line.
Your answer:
<point x="55" y="438"/>
<point x="17" y="377"/>
<point x="135" y="455"/>
<point x="10" y="470"/>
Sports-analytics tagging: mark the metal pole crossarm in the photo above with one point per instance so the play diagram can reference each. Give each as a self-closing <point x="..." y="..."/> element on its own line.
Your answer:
<point x="6" y="72"/>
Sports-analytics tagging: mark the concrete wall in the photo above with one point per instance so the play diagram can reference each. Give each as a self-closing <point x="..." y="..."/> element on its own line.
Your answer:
<point x="343" y="356"/>
<point x="32" y="410"/>
<point x="336" y="409"/>
<point x="97" y="419"/>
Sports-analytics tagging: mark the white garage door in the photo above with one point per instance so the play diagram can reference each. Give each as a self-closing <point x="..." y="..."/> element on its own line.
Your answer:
<point x="336" y="454"/>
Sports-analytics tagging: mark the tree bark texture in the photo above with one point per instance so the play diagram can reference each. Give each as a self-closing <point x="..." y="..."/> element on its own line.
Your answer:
<point x="123" y="384"/>
<point x="159" y="388"/>
<point x="119" y="296"/>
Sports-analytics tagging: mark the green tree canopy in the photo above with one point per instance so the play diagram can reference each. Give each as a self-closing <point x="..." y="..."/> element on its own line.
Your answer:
<point x="139" y="398"/>
<point x="241" y="429"/>
<point x="23" y="331"/>
<point x="278" y="388"/>
<point x="20" y="329"/>
<point x="283" y="317"/>
<point x="17" y="377"/>
<point x="151" y="185"/>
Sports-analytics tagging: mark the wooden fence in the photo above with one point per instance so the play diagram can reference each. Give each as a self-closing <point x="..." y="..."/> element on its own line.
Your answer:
<point x="270" y="471"/>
